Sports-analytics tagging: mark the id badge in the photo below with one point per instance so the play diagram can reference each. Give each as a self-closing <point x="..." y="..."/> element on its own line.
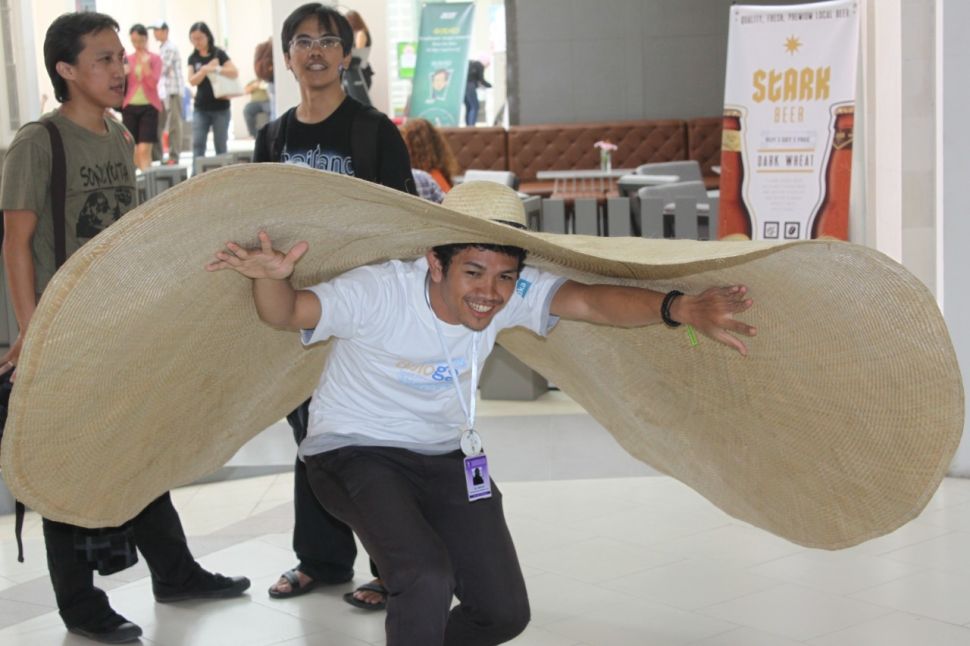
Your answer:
<point x="476" y="478"/>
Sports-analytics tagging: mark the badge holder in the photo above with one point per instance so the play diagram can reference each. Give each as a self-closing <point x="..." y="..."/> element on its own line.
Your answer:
<point x="477" y="480"/>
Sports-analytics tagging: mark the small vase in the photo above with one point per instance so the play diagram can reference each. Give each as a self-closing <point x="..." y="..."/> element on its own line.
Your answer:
<point x="606" y="160"/>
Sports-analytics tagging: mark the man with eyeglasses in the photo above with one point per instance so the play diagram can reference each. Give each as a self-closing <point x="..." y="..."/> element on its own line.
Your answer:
<point x="328" y="131"/>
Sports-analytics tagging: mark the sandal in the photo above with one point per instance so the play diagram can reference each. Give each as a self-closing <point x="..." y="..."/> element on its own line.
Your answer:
<point x="372" y="586"/>
<point x="296" y="589"/>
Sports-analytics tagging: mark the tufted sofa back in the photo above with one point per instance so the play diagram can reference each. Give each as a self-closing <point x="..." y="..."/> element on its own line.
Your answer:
<point x="704" y="145"/>
<point x="570" y="145"/>
<point x="478" y="148"/>
<point x="525" y="150"/>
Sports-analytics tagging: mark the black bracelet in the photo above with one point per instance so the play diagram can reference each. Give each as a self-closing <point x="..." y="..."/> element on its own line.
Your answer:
<point x="665" y="308"/>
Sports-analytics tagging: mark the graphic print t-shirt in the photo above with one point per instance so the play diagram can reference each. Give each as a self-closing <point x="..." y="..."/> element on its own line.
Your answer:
<point x="303" y="145"/>
<point x="100" y="184"/>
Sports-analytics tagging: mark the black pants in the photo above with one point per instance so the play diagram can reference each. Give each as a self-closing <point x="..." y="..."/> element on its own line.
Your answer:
<point x="324" y="546"/>
<point x="412" y="514"/>
<point x="160" y="539"/>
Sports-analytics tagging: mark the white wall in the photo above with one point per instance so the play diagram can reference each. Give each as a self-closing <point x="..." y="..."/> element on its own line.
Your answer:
<point x="953" y="142"/>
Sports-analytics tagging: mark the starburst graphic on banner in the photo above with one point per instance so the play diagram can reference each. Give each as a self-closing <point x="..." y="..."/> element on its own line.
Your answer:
<point x="792" y="44"/>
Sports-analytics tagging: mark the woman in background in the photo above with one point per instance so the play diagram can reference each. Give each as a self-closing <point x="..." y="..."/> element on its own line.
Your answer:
<point x="357" y="80"/>
<point x="430" y="152"/>
<point x="142" y="105"/>
<point x="209" y="112"/>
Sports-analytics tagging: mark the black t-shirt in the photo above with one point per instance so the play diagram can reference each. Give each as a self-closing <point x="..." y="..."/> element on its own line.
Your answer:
<point x="328" y="145"/>
<point x="204" y="100"/>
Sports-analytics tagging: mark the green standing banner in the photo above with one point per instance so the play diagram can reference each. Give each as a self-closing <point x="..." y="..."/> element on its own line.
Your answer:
<point x="442" y="66"/>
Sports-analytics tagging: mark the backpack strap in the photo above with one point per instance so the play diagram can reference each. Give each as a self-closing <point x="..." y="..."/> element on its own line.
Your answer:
<point x="58" y="191"/>
<point x="276" y="134"/>
<point x="58" y="201"/>
<point x="363" y="143"/>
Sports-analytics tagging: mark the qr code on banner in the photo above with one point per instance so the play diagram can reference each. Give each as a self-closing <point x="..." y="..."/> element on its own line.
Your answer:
<point x="792" y="230"/>
<point x="771" y="230"/>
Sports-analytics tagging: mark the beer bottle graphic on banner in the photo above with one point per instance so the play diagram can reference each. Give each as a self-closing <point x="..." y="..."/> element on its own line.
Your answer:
<point x="832" y="218"/>
<point x="734" y="221"/>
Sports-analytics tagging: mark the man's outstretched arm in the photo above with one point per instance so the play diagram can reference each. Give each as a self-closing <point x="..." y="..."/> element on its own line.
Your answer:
<point x="277" y="303"/>
<point x="711" y="312"/>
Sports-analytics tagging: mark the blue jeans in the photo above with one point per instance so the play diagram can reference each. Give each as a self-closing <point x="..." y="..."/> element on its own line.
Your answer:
<point x="471" y="104"/>
<point x="251" y="111"/>
<point x="202" y="120"/>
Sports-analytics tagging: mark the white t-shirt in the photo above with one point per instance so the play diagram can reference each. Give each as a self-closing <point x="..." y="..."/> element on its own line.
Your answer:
<point x="386" y="382"/>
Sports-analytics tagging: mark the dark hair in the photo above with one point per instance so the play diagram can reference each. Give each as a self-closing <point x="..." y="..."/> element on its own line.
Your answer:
<point x="64" y="41"/>
<point x="328" y="17"/>
<point x="446" y="252"/>
<point x="204" y="28"/>
<point x="441" y="70"/>
<point x="139" y="29"/>
<point x="429" y="149"/>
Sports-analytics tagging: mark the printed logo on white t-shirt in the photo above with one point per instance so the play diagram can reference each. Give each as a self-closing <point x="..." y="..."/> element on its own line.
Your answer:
<point x="522" y="287"/>
<point x="428" y="376"/>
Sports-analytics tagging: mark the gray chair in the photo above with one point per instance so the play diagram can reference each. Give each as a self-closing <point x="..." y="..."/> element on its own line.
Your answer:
<point x="160" y="178"/>
<point x="688" y="170"/>
<point x="619" y="220"/>
<point x="681" y="210"/>
<point x="554" y="216"/>
<point x="243" y="156"/>
<point x="506" y="177"/>
<point x="141" y="186"/>
<point x="628" y="185"/>
<point x="533" y="211"/>
<point x="204" y="164"/>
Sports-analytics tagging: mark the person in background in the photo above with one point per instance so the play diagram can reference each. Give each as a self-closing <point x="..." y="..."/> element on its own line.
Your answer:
<point x="427" y="186"/>
<point x="209" y="112"/>
<point x="476" y="79"/>
<point x="85" y="61"/>
<point x="430" y="152"/>
<point x="330" y="131"/>
<point x="359" y="74"/>
<point x="141" y="106"/>
<point x="263" y="66"/>
<point x="173" y="81"/>
<point x="259" y="103"/>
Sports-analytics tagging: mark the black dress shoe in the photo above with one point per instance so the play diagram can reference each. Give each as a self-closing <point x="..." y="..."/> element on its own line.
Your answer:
<point x="208" y="586"/>
<point x="121" y="634"/>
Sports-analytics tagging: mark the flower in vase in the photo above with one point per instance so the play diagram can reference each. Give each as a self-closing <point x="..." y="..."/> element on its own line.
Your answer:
<point x="606" y="154"/>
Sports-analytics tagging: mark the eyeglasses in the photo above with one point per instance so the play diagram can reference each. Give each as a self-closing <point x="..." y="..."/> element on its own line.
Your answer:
<point x="305" y="43"/>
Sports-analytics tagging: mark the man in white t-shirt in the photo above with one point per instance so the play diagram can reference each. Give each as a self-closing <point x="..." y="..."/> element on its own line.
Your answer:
<point x="391" y="448"/>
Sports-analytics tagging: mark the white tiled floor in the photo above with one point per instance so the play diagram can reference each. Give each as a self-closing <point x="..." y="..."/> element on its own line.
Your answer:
<point x="613" y="554"/>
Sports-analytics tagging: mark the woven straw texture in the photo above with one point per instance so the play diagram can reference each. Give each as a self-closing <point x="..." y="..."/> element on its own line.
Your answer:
<point x="142" y="372"/>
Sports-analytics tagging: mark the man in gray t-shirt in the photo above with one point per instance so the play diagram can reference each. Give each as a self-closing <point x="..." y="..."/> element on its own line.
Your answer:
<point x="85" y="59"/>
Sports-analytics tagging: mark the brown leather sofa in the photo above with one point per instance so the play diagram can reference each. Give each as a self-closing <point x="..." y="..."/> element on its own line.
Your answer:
<point x="704" y="145"/>
<point x="525" y="150"/>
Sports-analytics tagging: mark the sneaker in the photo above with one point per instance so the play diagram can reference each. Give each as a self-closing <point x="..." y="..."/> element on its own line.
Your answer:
<point x="208" y="586"/>
<point x="123" y="633"/>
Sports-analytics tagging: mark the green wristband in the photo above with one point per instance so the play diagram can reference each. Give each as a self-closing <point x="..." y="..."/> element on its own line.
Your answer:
<point x="691" y="336"/>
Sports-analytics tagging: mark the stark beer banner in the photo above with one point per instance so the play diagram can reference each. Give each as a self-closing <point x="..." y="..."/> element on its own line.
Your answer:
<point x="789" y="99"/>
<point x="442" y="66"/>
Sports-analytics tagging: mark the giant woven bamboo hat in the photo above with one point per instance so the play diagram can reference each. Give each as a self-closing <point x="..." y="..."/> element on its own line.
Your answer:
<point x="142" y="372"/>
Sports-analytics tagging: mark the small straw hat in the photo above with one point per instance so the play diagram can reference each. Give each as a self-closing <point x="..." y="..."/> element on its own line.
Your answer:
<point x="142" y="372"/>
<point x="488" y="201"/>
